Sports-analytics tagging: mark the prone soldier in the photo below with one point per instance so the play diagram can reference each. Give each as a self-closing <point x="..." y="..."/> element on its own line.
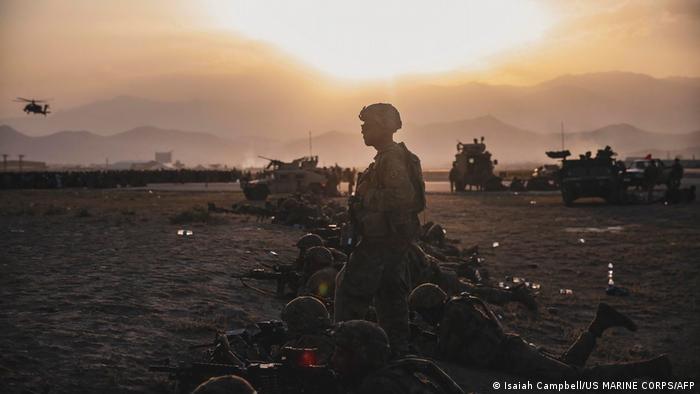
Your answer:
<point x="308" y="322"/>
<point x="361" y="360"/>
<point x="469" y="333"/>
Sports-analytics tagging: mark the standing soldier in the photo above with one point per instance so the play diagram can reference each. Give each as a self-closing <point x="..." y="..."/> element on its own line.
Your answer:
<point x="674" y="180"/>
<point x="351" y="180"/>
<point x="453" y="177"/>
<point x="384" y="210"/>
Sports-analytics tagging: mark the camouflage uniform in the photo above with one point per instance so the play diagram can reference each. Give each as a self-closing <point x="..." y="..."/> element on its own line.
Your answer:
<point x="308" y="322"/>
<point x="470" y="334"/>
<point x="410" y="375"/>
<point x="361" y="361"/>
<point x="390" y="194"/>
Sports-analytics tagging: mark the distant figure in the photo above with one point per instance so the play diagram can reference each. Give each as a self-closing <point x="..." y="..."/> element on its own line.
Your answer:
<point x="674" y="179"/>
<point x="351" y="180"/>
<point x="453" y="176"/>
<point x="651" y="173"/>
<point x="332" y="182"/>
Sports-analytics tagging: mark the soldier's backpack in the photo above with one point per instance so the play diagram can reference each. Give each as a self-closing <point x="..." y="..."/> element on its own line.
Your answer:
<point x="416" y="174"/>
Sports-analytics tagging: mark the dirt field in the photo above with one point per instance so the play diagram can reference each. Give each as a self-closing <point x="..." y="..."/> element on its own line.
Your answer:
<point x="97" y="285"/>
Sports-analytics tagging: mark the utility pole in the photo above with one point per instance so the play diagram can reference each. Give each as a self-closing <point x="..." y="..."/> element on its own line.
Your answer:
<point x="4" y="162"/>
<point x="20" y="162"/>
<point x="106" y="163"/>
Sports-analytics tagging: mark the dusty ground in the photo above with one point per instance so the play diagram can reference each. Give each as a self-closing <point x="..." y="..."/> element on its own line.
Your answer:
<point x="97" y="285"/>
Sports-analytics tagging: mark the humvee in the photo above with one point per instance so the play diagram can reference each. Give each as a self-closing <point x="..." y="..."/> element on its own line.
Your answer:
<point x="300" y="175"/>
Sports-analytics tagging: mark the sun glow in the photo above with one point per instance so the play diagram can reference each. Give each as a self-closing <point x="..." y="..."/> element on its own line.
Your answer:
<point x="379" y="39"/>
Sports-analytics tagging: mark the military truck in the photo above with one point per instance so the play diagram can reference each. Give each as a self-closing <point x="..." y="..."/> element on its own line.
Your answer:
<point x="599" y="176"/>
<point x="635" y="174"/>
<point x="300" y="175"/>
<point x="473" y="167"/>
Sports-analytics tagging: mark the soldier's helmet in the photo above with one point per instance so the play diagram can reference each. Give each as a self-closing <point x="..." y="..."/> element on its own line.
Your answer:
<point x="230" y="384"/>
<point x="305" y="315"/>
<point x="309" y="240"/>
<point x="322" y="283"/>
<point x="385" y="115"/>
<point x="317" y="257"/>
<point x="426" y="297"/>
<point x="365" y="340"/>
<point x="435" y="234"/>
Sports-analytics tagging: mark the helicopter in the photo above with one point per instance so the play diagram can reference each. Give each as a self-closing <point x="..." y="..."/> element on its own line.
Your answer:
<point x="32" y="106"/>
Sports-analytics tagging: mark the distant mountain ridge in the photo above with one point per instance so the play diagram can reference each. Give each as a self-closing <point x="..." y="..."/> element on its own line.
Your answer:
<point x="434" y="143"/>
<point x="271" y="108"/>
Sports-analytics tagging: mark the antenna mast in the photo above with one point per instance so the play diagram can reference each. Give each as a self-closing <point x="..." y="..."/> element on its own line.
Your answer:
<point x="310" y="154"/>
<point x="562" y="135"/>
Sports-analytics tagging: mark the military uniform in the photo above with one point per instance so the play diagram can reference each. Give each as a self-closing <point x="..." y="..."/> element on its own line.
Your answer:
<point x="390" y="194"/>
<point x="470" y="334"/>
<point x="321" y="341"/>
<point x="409" y="376"/>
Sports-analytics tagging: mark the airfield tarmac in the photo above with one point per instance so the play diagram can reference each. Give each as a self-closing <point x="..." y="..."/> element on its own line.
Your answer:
<point x="96" y="284"/>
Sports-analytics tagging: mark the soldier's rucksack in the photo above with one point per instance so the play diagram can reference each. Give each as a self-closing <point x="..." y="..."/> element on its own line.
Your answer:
<point x="416" y="174"/>
<point x="410" y="375"/>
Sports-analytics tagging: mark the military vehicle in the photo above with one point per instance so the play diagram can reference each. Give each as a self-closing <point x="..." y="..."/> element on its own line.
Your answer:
<point x="544" y="177"/>
<point x="635" y="176"/>
<point x="601" y="176"/>
<point x="473" y="167"/>
<point x="301" y="175"/>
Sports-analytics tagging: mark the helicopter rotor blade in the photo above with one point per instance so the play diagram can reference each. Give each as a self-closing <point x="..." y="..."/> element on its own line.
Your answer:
<point x="20" y="99"/>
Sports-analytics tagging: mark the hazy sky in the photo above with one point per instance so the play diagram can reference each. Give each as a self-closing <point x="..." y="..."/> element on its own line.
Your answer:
<point x="82" y="50"/>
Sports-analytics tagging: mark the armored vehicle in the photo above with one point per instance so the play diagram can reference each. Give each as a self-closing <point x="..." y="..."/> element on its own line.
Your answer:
<point x="473" y="167"/>
<point x="544" y="177"/>
<point x="599" y="176"/>
<point x="301" y="175"/>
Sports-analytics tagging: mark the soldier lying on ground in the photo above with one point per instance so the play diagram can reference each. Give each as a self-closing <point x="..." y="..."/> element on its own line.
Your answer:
<point x="361" y="359"/>
<point x="469" y="333"/>
<point x="425" y="268"/>
<point x="308" y="322"/>
<point x="258" y="342"/>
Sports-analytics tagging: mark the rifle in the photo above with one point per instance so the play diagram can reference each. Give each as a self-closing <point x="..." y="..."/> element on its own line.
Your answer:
<point x="350" y="232"/>
<point x="262" y="336"/>
<point x="331" y="234"/>
<point x="284" y="275"/>
<point x="296" y="373"/>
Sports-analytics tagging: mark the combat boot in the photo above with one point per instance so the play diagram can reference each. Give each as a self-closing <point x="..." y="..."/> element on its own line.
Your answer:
<point x="607" y="317"/>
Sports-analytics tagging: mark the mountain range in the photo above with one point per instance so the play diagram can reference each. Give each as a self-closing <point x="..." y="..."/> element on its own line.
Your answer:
<point x="434" y="143"/>
<point x="282" y="105"/>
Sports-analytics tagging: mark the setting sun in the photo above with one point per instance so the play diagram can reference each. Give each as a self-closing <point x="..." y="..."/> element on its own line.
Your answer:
<point x="368" y="39"/>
